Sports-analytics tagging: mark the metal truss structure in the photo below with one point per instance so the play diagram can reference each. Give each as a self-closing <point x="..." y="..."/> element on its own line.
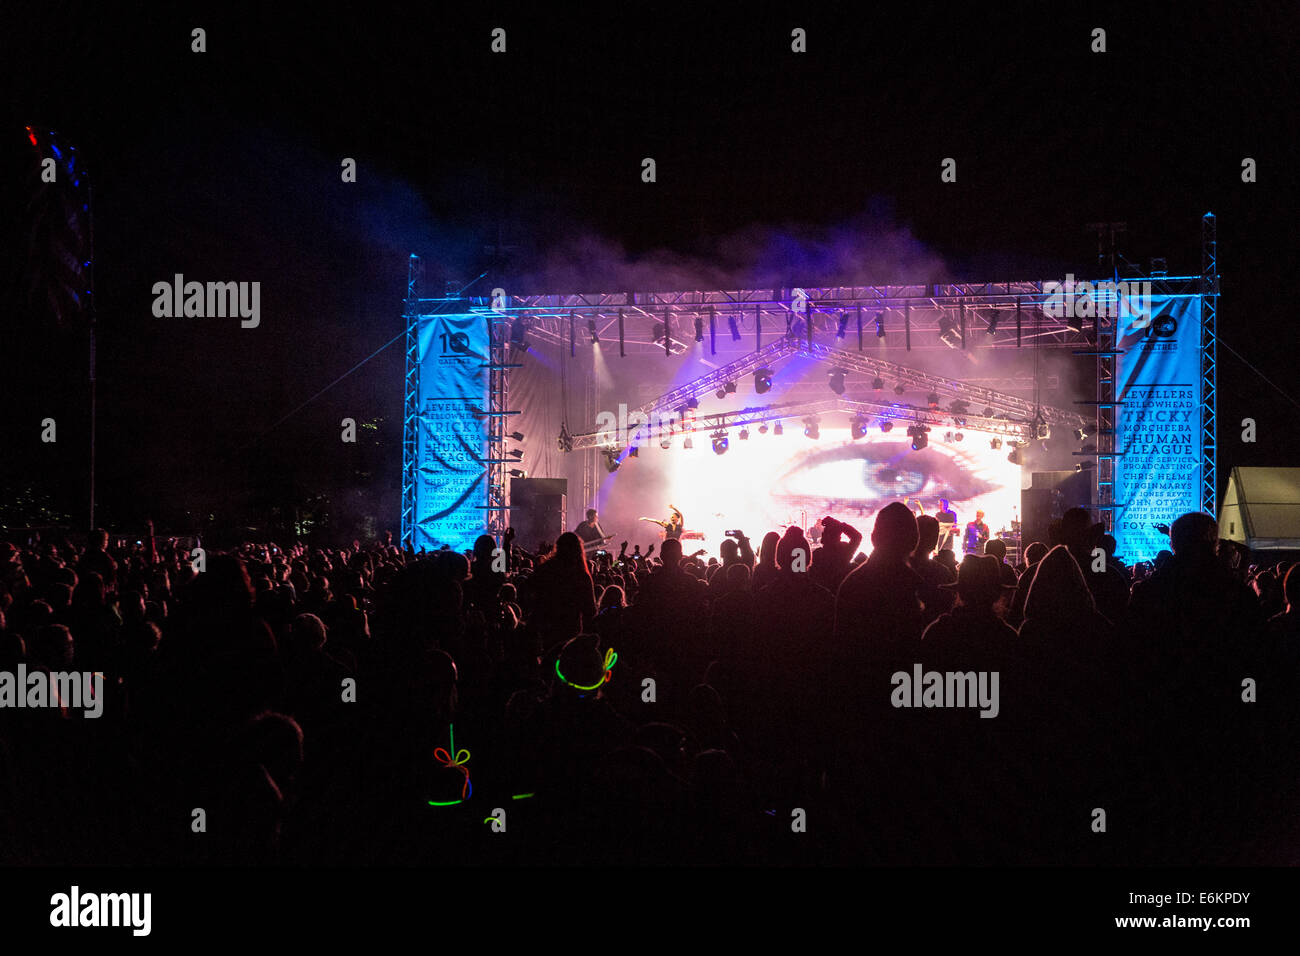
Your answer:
<point x="496" y="505"/>
<point x="1209" y="365"/>
<point x="764" y="326"/>
<point x="498" y="415"/>
<point x="952" y="403"/>
<point x="1002" y="315"/>
<point x="410" y="402"/>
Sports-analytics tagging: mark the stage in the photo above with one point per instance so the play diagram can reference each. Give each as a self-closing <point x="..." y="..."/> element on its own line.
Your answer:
<point x="755" y="410"/>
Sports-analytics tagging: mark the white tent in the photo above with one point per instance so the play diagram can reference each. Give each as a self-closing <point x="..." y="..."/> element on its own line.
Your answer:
<point x="1261" y="509"/>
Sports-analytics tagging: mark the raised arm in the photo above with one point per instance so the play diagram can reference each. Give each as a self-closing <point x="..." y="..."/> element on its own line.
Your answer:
<point x="853" y="535"/>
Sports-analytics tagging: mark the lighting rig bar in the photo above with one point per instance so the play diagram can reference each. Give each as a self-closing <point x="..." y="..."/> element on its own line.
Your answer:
<point x="1007" y="414"/>
<point x="994" y="314"/>
<point x="1003" y="404"/>
<point x="872" y="412"/>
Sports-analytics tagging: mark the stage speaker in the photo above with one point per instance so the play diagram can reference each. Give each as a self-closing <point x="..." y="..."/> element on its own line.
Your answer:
<point x="1039" y="507"/>
<point x="1049" y="496"/>
<point x="537" y="510"/>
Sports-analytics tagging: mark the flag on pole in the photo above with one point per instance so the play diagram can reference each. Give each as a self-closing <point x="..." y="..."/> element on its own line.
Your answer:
<point x="59" y="238"/>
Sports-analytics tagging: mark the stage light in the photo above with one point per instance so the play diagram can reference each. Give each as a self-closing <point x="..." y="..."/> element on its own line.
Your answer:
<point x="988" y="411"/>
<point x="877" y="383"/>
<point x="688" y="443"/>
<point x="693" y="402"/>
<point x="591" y="328"/>
<point x="763" y="381"/>
<point x="721" y="392"/>
<point x="730" y="388"/>
<point x="812" y="428"/>
<point x="993" y="322"/>
<point x="900" y="388"/>
<point x="920" y="436"/>
<point x="1014" y="455"/>
<point x="517" y="473"/>
<point x="744" y="434"/>
<point x="517" y="452"/>
<point x="880" y="325"/>
<point x="949" y="334"/>
<point x="735" y="329"/>
<point x="518" y="332"/>
<point x="858" y="428"/>
<point x="947" y="437"/>
<point x="633" y="452"/>
<point x="958" y="437"/>
<point x="836" y="382"/>
<point x="665" y="443"/>
<point x="886" y="426"/>
<point x="958" y="407"/>
<point x="1080" y="434"/>
<point x="762" y="429"/>
<point x="995" y="443"/>
<point x="611" y="459"/>
<point x="777" y="429"/>
<point x="720" y="443"/>
<point x="1042" y="431"/>
<point x="516" y="436"/>
<point x="844" y="321"/>
<point x="932" y="399"/>
<point x="699" y="329"/>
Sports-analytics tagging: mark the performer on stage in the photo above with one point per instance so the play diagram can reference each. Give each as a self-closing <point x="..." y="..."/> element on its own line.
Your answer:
<point x="977" y="534"/>
<point x="947" y="519"/>
<point x="592" y="535"/>
<point x="673" y="526"/>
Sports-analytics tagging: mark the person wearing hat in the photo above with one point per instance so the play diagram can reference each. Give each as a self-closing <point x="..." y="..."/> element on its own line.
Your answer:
<point x="972" y="632"/>
<point x="1082" y="536"/>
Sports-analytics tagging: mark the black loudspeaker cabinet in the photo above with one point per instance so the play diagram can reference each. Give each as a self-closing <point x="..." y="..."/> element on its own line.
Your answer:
<point x="538" y="507"/>
<point x="1049" y="496"/>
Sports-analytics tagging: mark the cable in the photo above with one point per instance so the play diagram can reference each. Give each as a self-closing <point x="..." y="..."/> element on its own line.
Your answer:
<point x="1256" y="371"/>
<point x="295" y="411"/>
<point x="290" y="414"/>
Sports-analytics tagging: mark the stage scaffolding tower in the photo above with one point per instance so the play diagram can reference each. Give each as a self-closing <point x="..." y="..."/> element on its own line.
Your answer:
<point x="1209" y="365"/>
<point x="497" y="507"/>
<point x="410" y="405"/>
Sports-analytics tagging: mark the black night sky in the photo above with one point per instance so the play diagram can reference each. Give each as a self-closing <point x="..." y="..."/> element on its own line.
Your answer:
<point x="225" y="165"/>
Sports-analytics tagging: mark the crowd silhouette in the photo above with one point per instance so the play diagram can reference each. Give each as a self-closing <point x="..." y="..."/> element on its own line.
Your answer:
<point x="522" y="705"/>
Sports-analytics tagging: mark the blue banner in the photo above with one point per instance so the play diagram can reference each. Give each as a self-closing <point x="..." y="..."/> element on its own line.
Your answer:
<point x="451" y="441"/>
<point x="1158" y="425"/>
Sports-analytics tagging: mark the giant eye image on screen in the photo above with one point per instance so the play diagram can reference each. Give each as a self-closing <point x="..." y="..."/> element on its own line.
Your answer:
<point x="768" y="481"/>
